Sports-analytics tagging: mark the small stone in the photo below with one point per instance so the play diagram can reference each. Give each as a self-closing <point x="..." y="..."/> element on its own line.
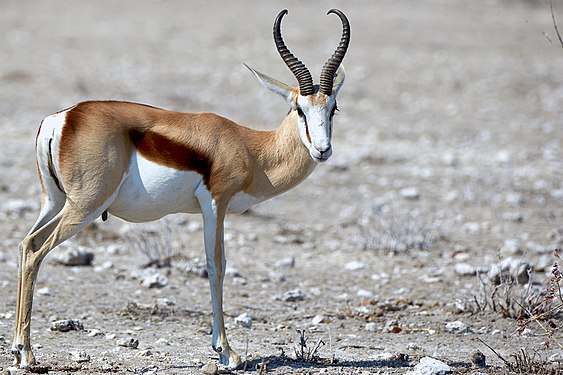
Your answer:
<point x="239" y="281"/>
<point x="449" y="159"/>
<point x="464" y="269"/>
<point x="281" y="239"/>
<point x="515" y="217"/>
<point x="44" y="292"/>
<point x="457" y="327"/>
<point x="94" y="332"/>
<point x="128" y="343"/>
<point x="162" y="342"/>
<point x="210" y="369"/>
<point x="430" y="279"/>
<point x="2" y="257"/>
<point x="556" y="357"/>
<point x="67" y="325"/>
<point x="478" y="359"/>
<point x="107" y="265"/>
<point x="293" y="296"/>
<point x="392" y="326"/>
<point x="354" y="266"/>
<point x="371" y="327"/>
<point x="557" y="194"/>
<point x="77" y="256"/>
<point x="288" y="262"/>
<point x="244" y="320"/>
<point x="232" y="272"/>
<point x="385" y="356"/>
<point x="156" y="280"/>
<point x="144" y="353"/>
<point x="410" y="193"/>
<point x="462" y="306"/>
<point x="79" y="356"/>
<point x="515" y="199"/>
<point x="195" y="267"/>
<point x="510" y="247"/>
<point x="430" y="366"/>
<point x="510" y="268"/>
<point x="117" y="249"/>
<point x="318" y="319"/>
<point x="413" y="346"/>
<point x="362" y="293"/>
<point x="503" y="156"/>
<point x="164" y="303"/>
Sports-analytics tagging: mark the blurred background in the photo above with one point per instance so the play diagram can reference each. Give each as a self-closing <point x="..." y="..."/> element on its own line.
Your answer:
<point x="449" y="138"/>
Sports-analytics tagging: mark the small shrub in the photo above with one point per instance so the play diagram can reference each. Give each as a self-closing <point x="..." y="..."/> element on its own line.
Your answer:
<point x="156" y="246"/>
<point x="396" y="234"/>
<point x="306" y="353"/>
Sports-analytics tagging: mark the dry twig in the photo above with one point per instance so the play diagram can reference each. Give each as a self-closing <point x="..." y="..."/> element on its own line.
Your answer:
<point x="555" y="23"/>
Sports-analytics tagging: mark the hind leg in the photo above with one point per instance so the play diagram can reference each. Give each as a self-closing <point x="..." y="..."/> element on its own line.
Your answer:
<point x="33" y="249"/>
<point x="50" y="207"/>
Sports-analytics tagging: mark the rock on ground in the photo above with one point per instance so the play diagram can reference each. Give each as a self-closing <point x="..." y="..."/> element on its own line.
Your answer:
<point x="430" y="366"/>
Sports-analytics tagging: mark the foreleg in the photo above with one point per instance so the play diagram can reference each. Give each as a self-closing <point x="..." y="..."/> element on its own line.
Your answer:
<point x="213" y="217"/>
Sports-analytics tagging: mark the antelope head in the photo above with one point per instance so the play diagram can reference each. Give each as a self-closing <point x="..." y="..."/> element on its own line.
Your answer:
<point x="313" y="105"/>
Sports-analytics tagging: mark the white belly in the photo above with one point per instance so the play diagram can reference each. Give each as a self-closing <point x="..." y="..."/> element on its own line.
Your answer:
<point x="151" y="191"/>
<point x="241" y="202"/>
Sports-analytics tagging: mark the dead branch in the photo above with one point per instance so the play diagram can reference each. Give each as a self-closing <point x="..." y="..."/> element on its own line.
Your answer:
<point x="555" y="23"/>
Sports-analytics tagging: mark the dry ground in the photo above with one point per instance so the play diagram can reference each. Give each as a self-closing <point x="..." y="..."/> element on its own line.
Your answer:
<point x="447" y="145"/>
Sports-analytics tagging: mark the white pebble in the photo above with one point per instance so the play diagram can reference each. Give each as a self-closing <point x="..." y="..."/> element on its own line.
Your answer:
<point x="430" y="366"/>
<point x="457" y="327"/>
<point x="44" y="292"/>
<point x="354" y="266"/>
<point x="318" y="319"/>
<point x="464" y="269"/>
<point x="244" y="320"/>
<point x="79" y="356"/>
<point x="410" y="193"/>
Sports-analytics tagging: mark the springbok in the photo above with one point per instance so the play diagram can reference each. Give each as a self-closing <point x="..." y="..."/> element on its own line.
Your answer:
<point x="141" y="163"/>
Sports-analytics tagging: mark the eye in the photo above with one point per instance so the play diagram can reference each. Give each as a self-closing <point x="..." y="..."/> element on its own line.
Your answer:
<point x="300" y="112"/>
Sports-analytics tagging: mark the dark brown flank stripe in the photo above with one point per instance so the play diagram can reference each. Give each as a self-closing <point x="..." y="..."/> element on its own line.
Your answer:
<point x="166" y="152"/>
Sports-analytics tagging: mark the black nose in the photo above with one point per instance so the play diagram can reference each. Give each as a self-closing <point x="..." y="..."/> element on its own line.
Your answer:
<point x="327" y="149"/>
<point x="323" y="149"/>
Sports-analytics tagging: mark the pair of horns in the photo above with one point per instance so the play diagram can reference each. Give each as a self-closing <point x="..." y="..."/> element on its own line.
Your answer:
<point x="299" y="69"/>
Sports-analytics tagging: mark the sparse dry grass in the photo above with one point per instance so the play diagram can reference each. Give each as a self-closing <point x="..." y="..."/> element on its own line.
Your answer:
<point x="540" y="306"/>
<point x="156" y="246"/>
<point x="397" y="233"/>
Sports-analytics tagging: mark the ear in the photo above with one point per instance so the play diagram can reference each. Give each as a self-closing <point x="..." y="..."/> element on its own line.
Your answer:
<point x="273" y="85"/>
<point x="338" y="79"/>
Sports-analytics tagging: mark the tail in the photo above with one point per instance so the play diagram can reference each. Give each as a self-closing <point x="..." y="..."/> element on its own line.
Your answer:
<point x="46" y="153"/>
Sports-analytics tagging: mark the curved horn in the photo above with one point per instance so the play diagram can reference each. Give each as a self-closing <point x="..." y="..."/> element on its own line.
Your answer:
<point x="329" y="69"/>
<point x="298" y="69"/>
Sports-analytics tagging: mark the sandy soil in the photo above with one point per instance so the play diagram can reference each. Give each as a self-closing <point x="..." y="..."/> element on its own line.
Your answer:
<point x="447" y="160"/>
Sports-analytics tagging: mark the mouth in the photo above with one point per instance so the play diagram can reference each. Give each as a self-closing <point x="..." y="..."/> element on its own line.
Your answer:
<point x="322" y="158"/>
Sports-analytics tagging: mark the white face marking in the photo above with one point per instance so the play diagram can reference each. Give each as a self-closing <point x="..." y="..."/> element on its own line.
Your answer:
<point x="315" y="124"/>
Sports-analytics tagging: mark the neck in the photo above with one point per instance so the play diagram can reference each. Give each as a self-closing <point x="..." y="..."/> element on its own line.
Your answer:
<point x="282" y="161"/>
